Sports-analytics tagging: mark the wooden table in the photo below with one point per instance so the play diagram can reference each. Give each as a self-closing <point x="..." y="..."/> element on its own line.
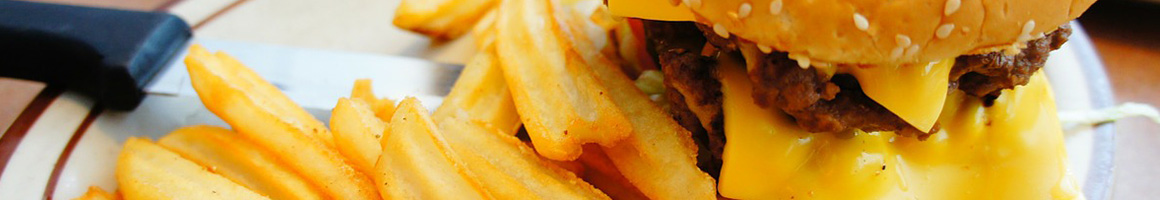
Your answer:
<point x="1126" y="34"/>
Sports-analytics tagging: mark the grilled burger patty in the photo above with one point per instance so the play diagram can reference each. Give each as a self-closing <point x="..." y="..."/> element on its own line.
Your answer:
<point x="817" y="102"/>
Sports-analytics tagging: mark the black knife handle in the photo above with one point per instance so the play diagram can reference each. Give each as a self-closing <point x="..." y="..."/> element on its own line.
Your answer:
<point x="109" y="55"/>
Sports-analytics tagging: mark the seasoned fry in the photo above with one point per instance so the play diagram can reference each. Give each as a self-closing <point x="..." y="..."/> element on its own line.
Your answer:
<point x="383" y="108"/>
<point x="482" y="92"/>
<point x="357" y="133"/>
<point x="508" y="168"/>
<point x="261" y="113"/>
<point x="96" y="193"/>
<point x="441" y="19"/>
<point x="238" y="159"/>
<point x="560" y="101"/>
<point x="656" y="142"/>
<point x="605" y="176"/>
<point x="416" y="163"/>
<point x="148" y="171"/>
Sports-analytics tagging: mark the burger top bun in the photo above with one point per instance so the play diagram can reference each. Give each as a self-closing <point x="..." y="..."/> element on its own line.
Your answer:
<point x="885" y="31"/>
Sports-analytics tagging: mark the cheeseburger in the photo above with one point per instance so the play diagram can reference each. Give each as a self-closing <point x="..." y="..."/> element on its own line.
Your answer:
<point x="839" y="99"/>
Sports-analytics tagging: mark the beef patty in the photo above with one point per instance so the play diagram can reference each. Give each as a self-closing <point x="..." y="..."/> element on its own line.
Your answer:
<point x="821" y="103"/>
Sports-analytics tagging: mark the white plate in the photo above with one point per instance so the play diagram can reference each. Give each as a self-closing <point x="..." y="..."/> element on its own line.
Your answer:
<point x="54" y="160"/>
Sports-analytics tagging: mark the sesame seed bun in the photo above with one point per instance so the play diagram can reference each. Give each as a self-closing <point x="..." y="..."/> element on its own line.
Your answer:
<point x="879" y="31"/>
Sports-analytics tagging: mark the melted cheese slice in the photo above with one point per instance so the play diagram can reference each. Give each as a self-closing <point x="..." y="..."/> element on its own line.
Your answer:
<point x="1012" y="150"/>
<point x="659" y="10"/>
<point x="915" y="93"/>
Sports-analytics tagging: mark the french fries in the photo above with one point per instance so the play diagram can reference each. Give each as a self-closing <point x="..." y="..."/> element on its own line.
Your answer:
<point x="383" y="108"/>
<point x="148" y="171"/>
<point x="560" y="101"/>
<point x="416" y="163"/>
<point x="441" y="19"/>
<point x="482" y="91"/>
<point x="96" y="193"/>
<point x="484" y="32"/>
<point x="261" y="113"/>
<point x="238" y="159"/>
<point x="357" y="133"/>
<point x="508" y="168"/>
<point x="605" y="176"/>
<point x="656" y="142"/>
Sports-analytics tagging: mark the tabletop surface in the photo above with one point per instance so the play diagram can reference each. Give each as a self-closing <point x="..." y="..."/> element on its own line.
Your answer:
<point x="1125" y="33"/>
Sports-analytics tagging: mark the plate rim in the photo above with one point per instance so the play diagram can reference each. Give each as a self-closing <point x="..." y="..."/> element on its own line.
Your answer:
<point x="1101" y="175"/>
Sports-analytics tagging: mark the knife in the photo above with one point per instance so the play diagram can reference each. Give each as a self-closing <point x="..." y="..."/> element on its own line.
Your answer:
<point x="106" y="54"/>
<point x="119" y="57"/>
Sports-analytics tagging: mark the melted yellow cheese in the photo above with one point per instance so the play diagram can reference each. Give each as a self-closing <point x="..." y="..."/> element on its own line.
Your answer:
<point x="915" y="93"/>
<point x="1012" y="150"/>
<point x="659" y="10"/>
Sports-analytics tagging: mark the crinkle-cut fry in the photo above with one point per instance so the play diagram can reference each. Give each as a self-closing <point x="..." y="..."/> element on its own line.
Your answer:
<point x="357" y="133"/>
<point x="606" y="176"/>
<point x="96" y="193"/>
<point x="383" y="108"/>
<point x="483" y="94"/>
<point x="656" y="142"/>
<point x="441" y="19"/>
<point x="416" y="162"/>
<point x="507" y="167"/>
<point x="560" y="101"/>
<point x="261" y="113"/>
<point x="238" y="159"/>
<point x="148" y="171"/>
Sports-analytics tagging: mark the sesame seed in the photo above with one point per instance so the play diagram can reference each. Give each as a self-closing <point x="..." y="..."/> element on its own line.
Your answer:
<point x="861" y="22"/>
<point x="951" y="7"/>
<point x="744" y="10"/>
<point x="911" y="51"/>
<point x="775" y="7"/>
<point x="896" y="53"/>
<point x="902" y="40"/>
<point x="803" y="62"/>
<point x="764" y="48"/>
<point x="944" y="31"/>
<point x="1028" y="27"/>
<point x="720" y="30"/>
<point x="693" y="3"/>
<point x="1026" y="34"/>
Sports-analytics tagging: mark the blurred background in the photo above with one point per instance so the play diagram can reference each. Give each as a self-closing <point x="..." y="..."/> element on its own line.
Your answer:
<point x="1126" y="34"/>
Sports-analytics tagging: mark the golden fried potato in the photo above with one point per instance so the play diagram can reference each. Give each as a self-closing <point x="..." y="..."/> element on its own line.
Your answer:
<point x="482" y="92"/>
<point x="238" y="159"/>
<point x="605" y="176"/>
<point x="148" y="171"/>
<point x="484" y="31"/>
<point x="96" y="193"/>
<point x="441" y="19"/>
<point x="261" y="113"/>
<point x="656" y="142"/>
<point x="507" y="168"/>
<point x="561" y="102"/>
<point x="357" y="133"/>
<point x="383" y="108"/>
<point x="416" y="163"/>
